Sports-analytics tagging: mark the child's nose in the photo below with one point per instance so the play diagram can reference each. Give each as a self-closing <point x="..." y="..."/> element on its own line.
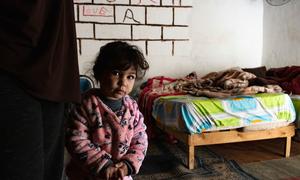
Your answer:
<point x="122" y="81"/>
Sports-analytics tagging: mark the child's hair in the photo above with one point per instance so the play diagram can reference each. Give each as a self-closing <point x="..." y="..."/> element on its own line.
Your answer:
<point x="121" y="56"/>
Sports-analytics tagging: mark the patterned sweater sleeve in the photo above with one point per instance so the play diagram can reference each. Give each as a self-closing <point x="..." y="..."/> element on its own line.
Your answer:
<point x="139" y="143"/>
<point x="78" y="138"/>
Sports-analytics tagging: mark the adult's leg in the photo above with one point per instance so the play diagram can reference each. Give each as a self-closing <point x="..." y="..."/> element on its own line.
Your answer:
<point x="53" y="119"/>
<point x="21" y="133"/>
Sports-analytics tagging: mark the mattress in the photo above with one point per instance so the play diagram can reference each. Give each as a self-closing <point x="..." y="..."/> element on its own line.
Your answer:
<point x="200" y="114"/>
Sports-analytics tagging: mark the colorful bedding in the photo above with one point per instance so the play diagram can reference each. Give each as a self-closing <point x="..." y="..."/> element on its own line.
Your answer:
<point x="296" y="102"/>
<point x="197" y="114"/>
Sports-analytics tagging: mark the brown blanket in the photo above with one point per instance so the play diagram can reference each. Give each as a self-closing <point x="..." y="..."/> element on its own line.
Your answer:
<point x="287" y="77"/>
<point x="223" y="84"/>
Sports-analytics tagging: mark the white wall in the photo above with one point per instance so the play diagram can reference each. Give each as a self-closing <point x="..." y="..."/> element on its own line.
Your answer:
<point x="281" y="37"/>
<point x="219" y="34"/>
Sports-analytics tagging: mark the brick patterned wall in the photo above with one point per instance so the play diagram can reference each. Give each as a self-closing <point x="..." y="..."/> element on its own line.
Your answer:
<point x="158" y="27"/>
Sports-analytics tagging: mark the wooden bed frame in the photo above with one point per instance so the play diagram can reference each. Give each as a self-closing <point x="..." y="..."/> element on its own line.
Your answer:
<point x="229" y="136"/>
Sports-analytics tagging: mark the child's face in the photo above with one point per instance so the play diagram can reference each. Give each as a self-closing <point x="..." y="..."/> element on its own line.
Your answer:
<point x="116" y="84"/>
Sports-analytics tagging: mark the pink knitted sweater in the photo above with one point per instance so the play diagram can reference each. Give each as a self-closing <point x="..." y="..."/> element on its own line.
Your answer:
<point x="96" y="136"/>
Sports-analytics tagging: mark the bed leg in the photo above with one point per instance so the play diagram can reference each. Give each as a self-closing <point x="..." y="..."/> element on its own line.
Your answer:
<point x="191" y="157"/>
<point x="288" y="146"/>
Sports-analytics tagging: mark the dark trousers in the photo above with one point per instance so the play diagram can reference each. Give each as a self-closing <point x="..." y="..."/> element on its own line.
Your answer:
<point x="32" y="139"/>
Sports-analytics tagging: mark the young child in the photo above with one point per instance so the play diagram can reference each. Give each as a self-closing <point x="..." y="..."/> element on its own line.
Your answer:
<point x="106" y="134"/>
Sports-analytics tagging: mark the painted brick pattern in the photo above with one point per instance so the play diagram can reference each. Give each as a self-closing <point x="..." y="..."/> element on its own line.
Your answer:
<point x="84" y="30"/>
<point x="113" y="31"/>
<point x="160" y="16"/>
<point x="157" y="27"/>
<point x="146" y="32"/>
<point x="146" y="2"/>
<point x="175" y="33"/>
<point x="130" y="14"/>
<point x="111" y="1"/>
<point x="160" y="48"/>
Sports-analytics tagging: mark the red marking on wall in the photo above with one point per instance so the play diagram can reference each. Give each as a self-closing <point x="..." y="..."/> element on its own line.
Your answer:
<point x="96" y="11"/>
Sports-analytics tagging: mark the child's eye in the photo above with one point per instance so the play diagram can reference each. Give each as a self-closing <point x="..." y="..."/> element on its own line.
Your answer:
<point x="115" y="72"/>
<point x="131" y="77"/>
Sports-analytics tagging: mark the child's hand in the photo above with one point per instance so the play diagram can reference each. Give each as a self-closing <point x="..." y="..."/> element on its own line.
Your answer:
<point x="111" y="172"/>
<point x="116" y="171"/>
<point x="122" y="170"/>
